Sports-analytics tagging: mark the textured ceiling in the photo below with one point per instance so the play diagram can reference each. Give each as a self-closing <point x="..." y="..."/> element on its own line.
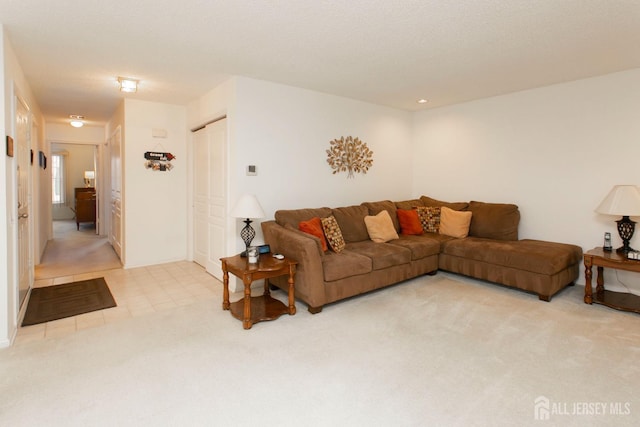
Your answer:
<point x="388" y="52"/>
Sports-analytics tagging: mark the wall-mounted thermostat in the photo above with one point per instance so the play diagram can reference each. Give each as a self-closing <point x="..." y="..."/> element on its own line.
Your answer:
<point x="252" y="170"/>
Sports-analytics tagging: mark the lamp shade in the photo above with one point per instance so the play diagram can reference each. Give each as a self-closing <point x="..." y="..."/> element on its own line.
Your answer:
<point x="247" y="206"/>
<point x="89" y="174"/>
<point x="622" y="200"/>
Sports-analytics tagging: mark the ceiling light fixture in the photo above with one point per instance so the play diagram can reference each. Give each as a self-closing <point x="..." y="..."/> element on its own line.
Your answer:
<point x="76" y="121"/>
<point x="128" y="85"/>
<point x="422" y="101"/>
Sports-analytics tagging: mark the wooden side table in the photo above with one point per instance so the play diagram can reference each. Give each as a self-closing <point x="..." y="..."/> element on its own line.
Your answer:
<point x="257" y="309"/>
<point x="618" y="300"/>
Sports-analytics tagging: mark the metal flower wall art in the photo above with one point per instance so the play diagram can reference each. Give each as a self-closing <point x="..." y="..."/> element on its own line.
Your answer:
<point x="349" y="155"/>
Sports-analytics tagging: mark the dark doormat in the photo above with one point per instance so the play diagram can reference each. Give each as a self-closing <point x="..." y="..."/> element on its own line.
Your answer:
<point x="70" y="299"/>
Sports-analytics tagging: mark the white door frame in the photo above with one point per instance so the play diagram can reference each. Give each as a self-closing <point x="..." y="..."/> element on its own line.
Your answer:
<point x="24" y="203"/>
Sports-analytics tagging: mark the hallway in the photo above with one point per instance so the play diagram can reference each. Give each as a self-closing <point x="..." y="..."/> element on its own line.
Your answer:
<point x="73" y="251"/>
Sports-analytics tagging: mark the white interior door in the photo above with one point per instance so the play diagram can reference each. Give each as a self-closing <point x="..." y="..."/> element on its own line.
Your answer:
<point x="210" y="208"/>
<point x="115" y="230"/>
<point x="25" y="253"/>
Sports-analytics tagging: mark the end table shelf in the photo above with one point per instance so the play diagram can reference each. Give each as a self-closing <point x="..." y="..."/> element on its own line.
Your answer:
<point x="263" y="307"/>
<point x="619" y="300"/>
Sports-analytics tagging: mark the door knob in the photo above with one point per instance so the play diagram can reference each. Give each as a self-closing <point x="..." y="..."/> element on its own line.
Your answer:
<point x="24" y="216"/>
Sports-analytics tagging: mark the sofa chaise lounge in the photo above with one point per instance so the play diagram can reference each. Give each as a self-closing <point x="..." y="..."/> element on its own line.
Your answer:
<point x="489" y="251"/>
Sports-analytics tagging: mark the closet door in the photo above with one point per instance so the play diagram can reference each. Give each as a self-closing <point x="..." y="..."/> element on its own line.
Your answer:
<point x="210" y="208"/>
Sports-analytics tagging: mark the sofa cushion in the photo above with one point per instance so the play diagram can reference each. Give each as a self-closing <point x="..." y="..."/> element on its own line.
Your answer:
<point x="383" y="255"/>
<point x="440" y="238"/>
<point x="429" y="218"/>
<point x="494" y="220"/>
<point x="345" y="264"/>
<point x="314" y="227"/>
<point x="351" y="222"/>
<point x="420" y="246"/>
<point x="380" y="227"/>
<point x="535" y="256"/>
<point x="454" y="223"/>
<point x="374" y="208"/>
<point x="409" y="204"/>
<point x="456" y="206"/>
<point x="409" y="222"/>
<point x="294" y="216"/>
<point x="333" y="233"/>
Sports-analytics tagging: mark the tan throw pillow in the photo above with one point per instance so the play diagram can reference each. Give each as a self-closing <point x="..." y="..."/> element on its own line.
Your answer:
<point x="333" y="233"/>
<point x="454" y="223"/>
<point x="429" y="218"/>
<point x="380" y="227"/>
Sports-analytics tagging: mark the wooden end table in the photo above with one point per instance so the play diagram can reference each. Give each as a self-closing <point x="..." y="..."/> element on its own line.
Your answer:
<point x="260" y="308"/>
<point x="601" y="259"/>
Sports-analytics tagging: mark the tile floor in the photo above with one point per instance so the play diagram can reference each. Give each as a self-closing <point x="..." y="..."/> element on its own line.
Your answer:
<point x="137" y="291"/>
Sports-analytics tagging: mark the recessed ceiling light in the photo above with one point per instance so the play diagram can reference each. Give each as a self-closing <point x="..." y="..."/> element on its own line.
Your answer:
<point x="127" y="84"/>
<point x="422" y="101"/>
<point x="76" y="121"/>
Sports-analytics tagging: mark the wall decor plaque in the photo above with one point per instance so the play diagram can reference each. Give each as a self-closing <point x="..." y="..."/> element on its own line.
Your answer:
<point x="349" y="155"/>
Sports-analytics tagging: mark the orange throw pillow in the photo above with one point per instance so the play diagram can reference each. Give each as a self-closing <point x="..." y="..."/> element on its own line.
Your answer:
<point x="314" y="227"/>
<point x="409" y="222"/>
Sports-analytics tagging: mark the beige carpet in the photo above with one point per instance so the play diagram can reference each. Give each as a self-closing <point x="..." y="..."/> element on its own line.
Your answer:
<point x="73" y="251"/>
<point x="433" y="351"/>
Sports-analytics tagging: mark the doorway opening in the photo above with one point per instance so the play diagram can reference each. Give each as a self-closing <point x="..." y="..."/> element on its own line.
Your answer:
<point x="77" y="245"/>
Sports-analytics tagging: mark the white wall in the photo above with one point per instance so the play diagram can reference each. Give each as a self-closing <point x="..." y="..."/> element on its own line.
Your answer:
<point x="554" y="151"/>
<point x="63" y="132"/>
<point x="6" y="283"/>
<point x="155" y="203"/>
<point x="285" y="131"/>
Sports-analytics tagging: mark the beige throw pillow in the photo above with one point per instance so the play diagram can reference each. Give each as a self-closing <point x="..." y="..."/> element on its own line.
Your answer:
<point x="380" y="227"/>
<point x="454" y="223"/>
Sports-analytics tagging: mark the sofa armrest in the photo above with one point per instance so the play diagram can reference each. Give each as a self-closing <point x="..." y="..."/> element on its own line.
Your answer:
<point x="294" y="244"/>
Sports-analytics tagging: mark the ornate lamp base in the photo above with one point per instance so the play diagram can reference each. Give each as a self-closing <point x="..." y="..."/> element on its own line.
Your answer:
<point x="247" y="233"/>
<point x="626" y="227"/>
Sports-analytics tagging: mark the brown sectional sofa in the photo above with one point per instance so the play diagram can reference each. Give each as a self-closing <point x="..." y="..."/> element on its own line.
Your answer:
<point x="491" y="252"/>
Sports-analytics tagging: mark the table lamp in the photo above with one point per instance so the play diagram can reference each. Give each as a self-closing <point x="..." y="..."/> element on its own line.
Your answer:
<point x="622" y="200"/>
<point x="247" y="207"/>
<point x="88" y="176"/>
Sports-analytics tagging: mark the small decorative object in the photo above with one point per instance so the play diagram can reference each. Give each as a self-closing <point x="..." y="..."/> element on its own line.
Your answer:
<point x="252" y="254"/>
<point x="158" y="161"/>
<point x="622" y="200"/>
<point x="607" y="242"/>
<point x="247" y="207"/>
<point x="633" y="255"/>
<point x="9" y="146"/>
<point x="349" y="155"/>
